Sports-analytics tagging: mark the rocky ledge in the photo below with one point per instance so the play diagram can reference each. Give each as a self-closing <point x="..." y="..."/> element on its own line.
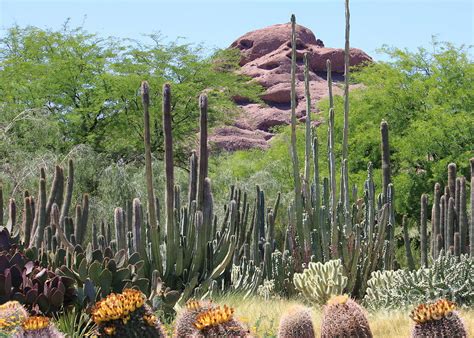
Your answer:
<point x="266" y="57"/>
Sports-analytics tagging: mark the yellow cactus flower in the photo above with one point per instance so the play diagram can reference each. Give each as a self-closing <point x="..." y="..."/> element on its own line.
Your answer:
<point x="214" y="317"/>
<point x="35" y="323"/>
<point x="437" y="310"/>
<point x="118" y="306"/>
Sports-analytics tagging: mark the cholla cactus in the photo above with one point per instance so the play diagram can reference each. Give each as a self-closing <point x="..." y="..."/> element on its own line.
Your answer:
<point x="126" y="315"/>
<point x="343" y="317"/>
<point x="438" y="319"/>
<point x="205" y="319"/>
<point x="296" y="323"/>
<point x="38" y="327"/>
<point x="320" y="281"/>
<point x="12" y="314"/>
<point x="449" y="277"/>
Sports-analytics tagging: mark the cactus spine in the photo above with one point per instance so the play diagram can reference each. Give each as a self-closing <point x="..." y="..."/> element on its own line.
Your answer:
<point x="296" y="323"/>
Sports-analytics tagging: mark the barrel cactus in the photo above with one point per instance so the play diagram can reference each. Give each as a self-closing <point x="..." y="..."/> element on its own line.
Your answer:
<point x="343" y="317"/>
<point x="187" y="316"/>
<point x="37" y="327"/>
<point x="206" y="319"/>
<point x="296" y="323"/>
<point x="438" y="319"/>
<point x="126" y="315"/>
<point x="12" y="314"/>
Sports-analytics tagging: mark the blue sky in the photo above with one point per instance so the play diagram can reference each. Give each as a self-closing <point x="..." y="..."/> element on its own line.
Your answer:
<point x="401" y="23"/>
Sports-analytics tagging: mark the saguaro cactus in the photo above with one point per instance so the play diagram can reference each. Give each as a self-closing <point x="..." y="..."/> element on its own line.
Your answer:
<point x="294" y="153"/>
<point x="346" y="84"/>
<point x="471" y="230"/>
<point x="169" y="170"/>
<point x="203" y="153"/>
<point x="153" y="221"/>
<point x="423" y="231"/>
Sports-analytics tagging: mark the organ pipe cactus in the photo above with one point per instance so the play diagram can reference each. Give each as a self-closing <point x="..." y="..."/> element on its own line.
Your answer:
<point x="449" y="217"/>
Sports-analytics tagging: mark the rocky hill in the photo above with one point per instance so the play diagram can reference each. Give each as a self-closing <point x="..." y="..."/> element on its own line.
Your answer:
<point x="266" y="57"/>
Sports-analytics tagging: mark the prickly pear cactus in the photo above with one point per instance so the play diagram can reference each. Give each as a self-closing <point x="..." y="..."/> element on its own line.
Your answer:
<point x="12" y="314"/>
<point x="296" y="323"/>
<point x="126" y="315"/>
<point x="438" y="319"/>
<point x="38" y="327"/>
<point x="343" y="317"/>
<point x="320" y="281"/>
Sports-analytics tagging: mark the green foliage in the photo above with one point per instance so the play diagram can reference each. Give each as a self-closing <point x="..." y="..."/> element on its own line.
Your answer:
<point x="75" y="324"/>
<point x="449" y="277"/>
<point x="426" y="97"/>
<point x="66" y="87"/>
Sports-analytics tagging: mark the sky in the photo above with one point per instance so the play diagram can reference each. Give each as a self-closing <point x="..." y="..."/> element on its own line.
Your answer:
<point x="217" y="23"/>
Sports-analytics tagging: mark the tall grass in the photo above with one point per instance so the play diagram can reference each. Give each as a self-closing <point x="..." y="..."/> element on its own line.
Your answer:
<point x="263" y="316"/>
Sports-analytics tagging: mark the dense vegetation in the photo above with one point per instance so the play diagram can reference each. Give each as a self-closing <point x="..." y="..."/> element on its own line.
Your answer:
<point x="428" y="99"/>
<point x="73" y="94"/>
<point x="170" y="243"/>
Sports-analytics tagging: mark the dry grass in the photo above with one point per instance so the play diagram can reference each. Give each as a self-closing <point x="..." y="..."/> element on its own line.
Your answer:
<point x="263" y="317"/>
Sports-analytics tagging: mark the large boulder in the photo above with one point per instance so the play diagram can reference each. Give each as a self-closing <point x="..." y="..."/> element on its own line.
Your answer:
<point x="266" y="57"/>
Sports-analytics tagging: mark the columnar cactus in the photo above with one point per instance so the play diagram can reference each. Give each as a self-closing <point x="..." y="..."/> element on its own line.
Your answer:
<point x="345" y="140"/>
<point x="296" y="323"/>
<point x="450" y="217"/>
<point x="325" y="226"/>
<point x="438" y="319"/>
<point x="320" y="281"/>
<point x="423" y="231"/>
<point x="343" y="317"/>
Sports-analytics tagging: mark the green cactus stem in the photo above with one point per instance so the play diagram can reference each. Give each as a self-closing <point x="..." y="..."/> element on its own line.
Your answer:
<point x="153" y="221"/>
<point x="406" y="239"/>
<point x="423" y="231"/>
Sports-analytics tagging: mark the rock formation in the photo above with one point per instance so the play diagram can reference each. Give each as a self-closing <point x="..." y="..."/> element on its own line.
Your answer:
<point x="266" y="57"/>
